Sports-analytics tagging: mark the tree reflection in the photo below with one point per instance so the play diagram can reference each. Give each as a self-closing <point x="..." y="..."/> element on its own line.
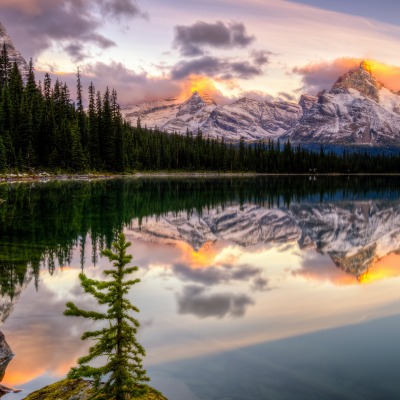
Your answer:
<point x="42" y="223"/>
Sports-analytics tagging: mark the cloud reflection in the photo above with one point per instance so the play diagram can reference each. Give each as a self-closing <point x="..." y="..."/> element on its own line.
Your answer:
<point x="215" y="275"/>
<point x="322" y="269"/>
<point x="195" y="300"/>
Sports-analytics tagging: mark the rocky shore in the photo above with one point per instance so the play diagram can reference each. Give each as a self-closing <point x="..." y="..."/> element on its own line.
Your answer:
<point x="79" y="389"/>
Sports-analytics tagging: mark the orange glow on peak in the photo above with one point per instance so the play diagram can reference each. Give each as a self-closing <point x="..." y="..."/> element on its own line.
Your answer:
<point x="202" y="85"/>
<point x="387" y="267"/>
<point x="201" y="258"/>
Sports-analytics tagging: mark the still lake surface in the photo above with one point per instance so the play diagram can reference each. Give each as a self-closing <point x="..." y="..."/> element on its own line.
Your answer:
<point x="252" y="287"/>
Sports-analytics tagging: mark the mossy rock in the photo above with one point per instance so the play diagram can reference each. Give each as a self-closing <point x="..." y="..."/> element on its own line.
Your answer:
<point x="79" y="389"/>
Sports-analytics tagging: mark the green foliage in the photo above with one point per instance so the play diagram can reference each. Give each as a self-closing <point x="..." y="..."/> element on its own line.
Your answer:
<point x="123" y="370"/>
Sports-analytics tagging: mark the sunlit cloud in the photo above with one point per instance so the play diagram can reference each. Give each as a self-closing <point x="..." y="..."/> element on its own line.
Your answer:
<point x="322" y="75"/>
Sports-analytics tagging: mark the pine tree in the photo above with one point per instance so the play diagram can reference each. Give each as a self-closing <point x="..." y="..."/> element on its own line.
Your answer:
<point x="124" y="369"/>
<point x="3" y="157"/>
<point x="5" y="66"/>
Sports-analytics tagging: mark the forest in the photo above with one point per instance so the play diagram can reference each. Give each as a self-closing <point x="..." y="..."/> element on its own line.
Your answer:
<point x="41" y="127"/>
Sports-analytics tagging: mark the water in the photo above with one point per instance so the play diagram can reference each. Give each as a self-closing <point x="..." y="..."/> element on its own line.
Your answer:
<point x="252" y="288"/>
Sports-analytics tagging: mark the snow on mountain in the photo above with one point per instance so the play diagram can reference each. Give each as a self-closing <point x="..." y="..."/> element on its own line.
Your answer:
<point x="13" y="54"/>
<point x="252" y="119"/>
<point x="247" y="225"/>
<point x="357" y="110"/>
<point x="245" y="118"/>
<point x="355" y="235"/>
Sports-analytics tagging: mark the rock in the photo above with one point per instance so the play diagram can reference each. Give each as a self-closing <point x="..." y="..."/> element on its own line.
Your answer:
<point x="13" y="54"/>
<point x="5" y="354"/>
<point x="79" y="389"/>
<point x="358" y="110"/>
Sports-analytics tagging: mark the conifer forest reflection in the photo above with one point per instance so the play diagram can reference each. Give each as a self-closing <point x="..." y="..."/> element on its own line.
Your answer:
<point x="288" y="283"/>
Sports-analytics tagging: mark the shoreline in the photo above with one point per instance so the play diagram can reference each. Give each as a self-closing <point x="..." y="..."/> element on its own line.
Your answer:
<point x="45" y="176"/>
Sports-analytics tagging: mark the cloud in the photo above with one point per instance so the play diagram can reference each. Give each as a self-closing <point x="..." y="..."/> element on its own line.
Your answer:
<point x="132" y="87"/>
<point x="195" y="301"/>
<point x="220" y="68"/>
<point x="286" y="96"/>
<point x="191" y="40"/>
<point x="36" y="25"/>
<point x="76" y="51"/>
<point x="261" y="57"/>
<point x="322" y="75"/>
<point x="120" y="8"/>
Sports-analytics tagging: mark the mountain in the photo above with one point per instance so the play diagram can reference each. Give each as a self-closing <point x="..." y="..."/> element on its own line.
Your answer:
<point x="356" y="110"/>
<point x="250" y="119"/>
<point x="13" y="54"/>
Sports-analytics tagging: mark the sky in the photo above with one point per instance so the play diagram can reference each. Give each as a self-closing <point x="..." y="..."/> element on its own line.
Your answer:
<point x="154" y="49"/>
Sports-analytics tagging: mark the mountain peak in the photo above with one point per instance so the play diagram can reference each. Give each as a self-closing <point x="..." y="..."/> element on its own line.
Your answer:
<point x="360" y="79"/>
<point x="205" y="97"/>
<point x="13" y="54"/>
<point x="365" y="66"/>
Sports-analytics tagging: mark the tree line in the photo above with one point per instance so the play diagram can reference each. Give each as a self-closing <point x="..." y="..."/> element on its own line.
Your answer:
<point x="42" y="127"/>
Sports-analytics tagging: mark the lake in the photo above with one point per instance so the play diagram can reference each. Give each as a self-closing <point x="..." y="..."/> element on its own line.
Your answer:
<point x="252" y="287"/>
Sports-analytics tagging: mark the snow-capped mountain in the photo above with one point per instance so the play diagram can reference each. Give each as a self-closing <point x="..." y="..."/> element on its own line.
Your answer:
<point x="357" y="110"/>
<point x="355" y="235"/>
<point x="250" y="119"/>
<point x="13" y="54"/>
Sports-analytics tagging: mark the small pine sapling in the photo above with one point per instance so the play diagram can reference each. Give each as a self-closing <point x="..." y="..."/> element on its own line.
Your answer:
<point x="123" y="372"/>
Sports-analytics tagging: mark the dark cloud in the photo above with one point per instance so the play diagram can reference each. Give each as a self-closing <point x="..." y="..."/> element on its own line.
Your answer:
<point x="190" y="40"/>
<point x="215" y="275"/>
<point x="76" y="51"/>
<point x="120" y="8"/>
<point x="222" y="68"/>
<point x="260" y="285"/>
<point x="37" y="24"/>
<point x="260" y="57"/>
<point x="194" y="300"/>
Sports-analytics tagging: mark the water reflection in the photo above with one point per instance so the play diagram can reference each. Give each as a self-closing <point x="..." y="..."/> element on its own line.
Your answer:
<point x="225" y="264"/>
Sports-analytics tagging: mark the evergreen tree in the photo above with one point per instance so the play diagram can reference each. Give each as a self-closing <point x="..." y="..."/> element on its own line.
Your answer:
<point x="124" y="369"/>
<point x="3" y="157"/>
<point x="5" y="66"/>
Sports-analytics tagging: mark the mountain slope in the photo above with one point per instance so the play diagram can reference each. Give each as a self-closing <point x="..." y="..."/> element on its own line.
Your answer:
<point x="13" y="54"/>
<point x="250" y="119"/>
<point x="357" y="110"/>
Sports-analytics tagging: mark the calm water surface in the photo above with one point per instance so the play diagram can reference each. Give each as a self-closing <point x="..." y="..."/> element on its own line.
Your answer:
<point x="252" y="288"/>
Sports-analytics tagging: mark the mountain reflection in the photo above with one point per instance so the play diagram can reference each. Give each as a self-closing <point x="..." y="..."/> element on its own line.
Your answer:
<point x="224" y="263"/>
<point x="345" y="218"/>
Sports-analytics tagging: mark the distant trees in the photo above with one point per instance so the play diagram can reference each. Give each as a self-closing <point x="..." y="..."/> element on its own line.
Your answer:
<point x="123" y="371"/>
